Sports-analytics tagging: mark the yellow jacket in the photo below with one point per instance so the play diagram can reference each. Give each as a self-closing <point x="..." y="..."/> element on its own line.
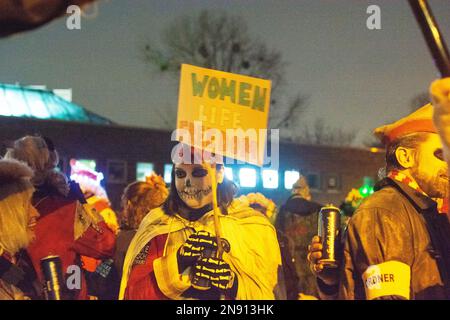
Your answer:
<point x="254" y="256"/>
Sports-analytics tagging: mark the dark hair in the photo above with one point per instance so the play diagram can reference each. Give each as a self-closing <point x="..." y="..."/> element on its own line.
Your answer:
<point x="411" y="141"/>
<point x="225" y="194"/>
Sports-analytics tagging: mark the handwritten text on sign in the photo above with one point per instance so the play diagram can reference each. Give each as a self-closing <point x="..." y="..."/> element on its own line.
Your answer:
<point x="223" y="101"/>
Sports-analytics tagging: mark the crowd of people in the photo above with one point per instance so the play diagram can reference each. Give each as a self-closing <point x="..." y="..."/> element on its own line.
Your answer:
<point x="164" y="243"/>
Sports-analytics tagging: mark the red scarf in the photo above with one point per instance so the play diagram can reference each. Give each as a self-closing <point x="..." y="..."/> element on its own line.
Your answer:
<point x="442" y="204"/>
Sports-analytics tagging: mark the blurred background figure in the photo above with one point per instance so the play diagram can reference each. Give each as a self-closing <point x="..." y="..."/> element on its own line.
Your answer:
<point x="100" y="278"/>
<point x="65" y="228"/>
<point x="349" y="205"/>
<point x="17" y="223"/>
<point x="138" y="199"/>
<point x="90" y="184"/>
<point x="288" y="280"/>
<point x="297" y="223"/>
<point x="440" y="95"/>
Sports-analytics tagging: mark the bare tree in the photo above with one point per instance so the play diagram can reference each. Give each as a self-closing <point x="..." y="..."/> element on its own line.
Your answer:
<point x="322" y="134"/>
<point x="218" y="41"/>
<point x="221" y="41"/>
<point x="419" y="100"/>
<point x="289" y="116"/>
<point x="372" y="142"/>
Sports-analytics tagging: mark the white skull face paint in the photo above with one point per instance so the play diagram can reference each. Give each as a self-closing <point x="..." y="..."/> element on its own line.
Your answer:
<point x="193" y="185"/>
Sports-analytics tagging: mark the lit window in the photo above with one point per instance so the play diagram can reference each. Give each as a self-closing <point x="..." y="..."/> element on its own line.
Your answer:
<point x="143" y="169"/>
<point x="229" y="174"/>
<point x="168" y="173"/>
<point x="270" y="179"/>
<point x="247" y="177"/>
<point x="333" y="182"/>
<point x="314" y="181"/>
<point x="290" y="177"/>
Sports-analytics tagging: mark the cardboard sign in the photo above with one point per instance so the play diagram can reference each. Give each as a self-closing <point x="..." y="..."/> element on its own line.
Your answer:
<point x="224" y="113"/>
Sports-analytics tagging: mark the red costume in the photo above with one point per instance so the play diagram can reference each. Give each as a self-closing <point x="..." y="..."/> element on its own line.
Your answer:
<point x="142" y="283"/>
<point x="56" y="234"/>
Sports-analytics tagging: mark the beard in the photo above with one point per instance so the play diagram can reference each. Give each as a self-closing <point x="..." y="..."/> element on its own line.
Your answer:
<point x="435" y="186"/>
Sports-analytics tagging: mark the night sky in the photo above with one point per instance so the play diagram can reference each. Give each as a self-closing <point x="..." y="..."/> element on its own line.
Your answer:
<point x="355" y="77"/>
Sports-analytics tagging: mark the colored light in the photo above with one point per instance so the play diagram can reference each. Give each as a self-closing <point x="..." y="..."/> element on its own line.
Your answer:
<point x="168" y="173"/>
<point x="270" y="179"/>
<point x="17" y="101"/>
<point x="290" y="177"/>
<point x="366" y="191"/>
<point x="247" y="177"/>
<point x="143" y="169"/>
<point x="229" y="173"/>
<point x="85" y="169"/>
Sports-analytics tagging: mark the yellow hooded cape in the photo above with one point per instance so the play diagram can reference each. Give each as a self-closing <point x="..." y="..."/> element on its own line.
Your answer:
<point x="254" y="256"/>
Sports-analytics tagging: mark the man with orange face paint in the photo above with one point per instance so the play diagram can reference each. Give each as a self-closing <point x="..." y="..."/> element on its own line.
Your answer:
<point x="168" y="258"/>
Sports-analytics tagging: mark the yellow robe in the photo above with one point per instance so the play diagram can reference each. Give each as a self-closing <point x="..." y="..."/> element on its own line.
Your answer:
<point x="254" y="256"/>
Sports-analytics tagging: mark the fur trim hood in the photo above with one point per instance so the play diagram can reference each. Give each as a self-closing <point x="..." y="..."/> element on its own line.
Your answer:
<point x="14" y="177"/>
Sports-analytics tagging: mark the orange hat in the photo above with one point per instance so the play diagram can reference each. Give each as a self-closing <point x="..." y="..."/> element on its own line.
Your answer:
<point x="418" y="121"/>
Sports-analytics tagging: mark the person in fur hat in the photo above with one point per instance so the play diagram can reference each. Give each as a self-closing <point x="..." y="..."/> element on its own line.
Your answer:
<point x="65" y="228"/>
<point x="17" y="230"/>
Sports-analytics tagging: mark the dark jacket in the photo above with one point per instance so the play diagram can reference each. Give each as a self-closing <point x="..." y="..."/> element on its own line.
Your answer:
<point x="123" y="242"/>
<point x="18" y="280"/>
<point x="296" y="225"/>
<point x="397" y="224"/>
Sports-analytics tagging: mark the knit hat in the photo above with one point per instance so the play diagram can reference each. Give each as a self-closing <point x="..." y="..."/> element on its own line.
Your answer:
<point x="14" y="178"/>
<point x="418" y="121"/>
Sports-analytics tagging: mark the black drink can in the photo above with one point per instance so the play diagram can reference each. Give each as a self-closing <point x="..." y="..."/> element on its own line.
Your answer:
<point x="328" y="230"/>
<point x="54" y="283"/>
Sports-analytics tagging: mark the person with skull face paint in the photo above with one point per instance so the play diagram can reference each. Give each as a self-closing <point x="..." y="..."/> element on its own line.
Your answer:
<point x="175" y="244"/>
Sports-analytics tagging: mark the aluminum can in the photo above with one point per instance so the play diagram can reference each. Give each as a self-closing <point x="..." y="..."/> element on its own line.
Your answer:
<point x="52" y="271"/>
<point x="328" y="230"/>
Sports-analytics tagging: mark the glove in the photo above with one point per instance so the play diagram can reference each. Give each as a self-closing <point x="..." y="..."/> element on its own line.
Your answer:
<point x="216" y="271"/>
<point x="194" y="247"/>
